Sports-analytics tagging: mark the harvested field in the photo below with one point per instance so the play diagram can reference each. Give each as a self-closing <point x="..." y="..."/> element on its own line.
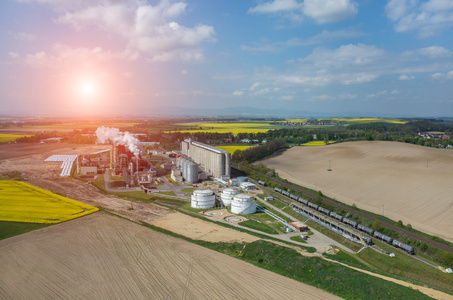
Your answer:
<point x="200" y="230"/>
<point x="412" y="183"/>
<point x="105" y="257"/>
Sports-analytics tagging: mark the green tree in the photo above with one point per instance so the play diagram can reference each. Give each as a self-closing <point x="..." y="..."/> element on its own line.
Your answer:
<point x="376" y="225"/>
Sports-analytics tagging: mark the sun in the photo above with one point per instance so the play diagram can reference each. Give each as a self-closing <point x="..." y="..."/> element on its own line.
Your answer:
<point x="87" y="89"/>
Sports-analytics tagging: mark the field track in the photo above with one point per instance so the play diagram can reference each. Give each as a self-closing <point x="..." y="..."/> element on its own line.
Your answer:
<point x="412" y="183"/>
<point x="105" y="257"/>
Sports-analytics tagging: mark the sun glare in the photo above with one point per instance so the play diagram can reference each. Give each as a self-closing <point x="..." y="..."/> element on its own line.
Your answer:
<point x="87" y="89"/>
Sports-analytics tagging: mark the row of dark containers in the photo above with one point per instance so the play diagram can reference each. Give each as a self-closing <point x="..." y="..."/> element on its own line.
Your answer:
<point x="376" y="234"/>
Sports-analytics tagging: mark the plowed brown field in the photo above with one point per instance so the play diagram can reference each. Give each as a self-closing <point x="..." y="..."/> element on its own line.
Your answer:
<point x="106" y="257"/>
<point x="408" y="182"/>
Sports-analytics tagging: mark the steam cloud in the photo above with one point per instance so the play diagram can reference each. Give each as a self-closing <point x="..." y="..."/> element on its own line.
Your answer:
<point x="114" y="135"/>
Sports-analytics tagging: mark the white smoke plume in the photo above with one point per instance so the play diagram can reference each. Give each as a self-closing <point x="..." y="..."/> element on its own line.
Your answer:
<point x="114" y="135"/>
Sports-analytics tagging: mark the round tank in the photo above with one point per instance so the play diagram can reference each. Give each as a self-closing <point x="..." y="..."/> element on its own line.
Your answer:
<point x="227" y="195"/>
<point x="192" y="173"/>
<point x="243" y="204"/>
<point x="242" y="179"/>
<point x="202" y="199"/>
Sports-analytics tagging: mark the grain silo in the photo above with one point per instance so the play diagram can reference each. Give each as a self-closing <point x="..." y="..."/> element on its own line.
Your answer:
<point x="243" y="204"/>
<point x="227" y="195"/>
<point x="192" y="172"/>
<point x="202" y="199"/>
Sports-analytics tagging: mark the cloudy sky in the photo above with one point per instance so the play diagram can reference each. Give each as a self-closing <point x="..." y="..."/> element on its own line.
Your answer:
<point x="134" y="56"/>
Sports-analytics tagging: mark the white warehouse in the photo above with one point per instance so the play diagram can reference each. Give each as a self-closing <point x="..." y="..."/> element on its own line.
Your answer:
<point x="214" y="161"/>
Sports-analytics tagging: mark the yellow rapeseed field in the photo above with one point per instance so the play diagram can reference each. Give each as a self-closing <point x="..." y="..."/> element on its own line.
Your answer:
<point x="22" y="202"/>
<point x="231" y="149"/>
<point x="245" y="127"/>
<point x="317" y="143"/>
<point x="4" y="137"/>
<point x="370" y="120"/>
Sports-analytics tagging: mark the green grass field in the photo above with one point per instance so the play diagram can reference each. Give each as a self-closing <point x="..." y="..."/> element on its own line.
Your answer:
<point x="22" y="202"/>
<point x="9" y="229"/>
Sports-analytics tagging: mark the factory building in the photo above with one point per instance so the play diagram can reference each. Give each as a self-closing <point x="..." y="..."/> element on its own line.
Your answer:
<point x="213" y="161"/>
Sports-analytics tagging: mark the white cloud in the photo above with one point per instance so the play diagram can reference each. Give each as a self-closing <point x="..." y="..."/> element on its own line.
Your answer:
<point x="254" y="86"/>
<point x="347" y="96"/>
<point x="322" y="11"/>
<point x="323" y="37"/>
<point x="449" y="75"/>
<point x="442" y="76"/>
<point x="377" y="95"/>
<point x="13" y="54"/>
<point x="276" y="6"/>
<point x="427" y="17"/>
<point x="405" y="77"/>
<point x="438" y="76"/>
<point x="152" y="30"/>
<point x="22" y="36"/>
<point x="329" y="11"/>
<point x="395" y="92"/>
<point x="62" y="55"/>
<point x="323" y="97"/>
<point x="434" y="52"/>
<point x="261" y="92"/>
<point x="287" y="97"/>
<point x="238" y="93"/>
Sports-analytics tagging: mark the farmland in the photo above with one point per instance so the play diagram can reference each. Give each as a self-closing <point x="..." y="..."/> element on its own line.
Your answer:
<point x="21" y="202"/>
<point x="232" y="149"/>
<point x="401" y="181"/>
<point x="317" y="143"/>
<point x="226" y="127"/>
<point x="5" y="137"/>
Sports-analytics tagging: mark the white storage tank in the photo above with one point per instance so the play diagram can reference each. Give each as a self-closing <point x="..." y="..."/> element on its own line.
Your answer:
<point x="228" y="195"/>
<point x="202" y="199"/>
<point x="243" y="204"/>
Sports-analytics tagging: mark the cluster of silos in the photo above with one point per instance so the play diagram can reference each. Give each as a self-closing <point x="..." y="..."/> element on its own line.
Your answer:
<point x="214" y="161"/>
<point x="243" y="204"/>
<point x="228" y="195"/>
<point x="189" y="169"/>
<point x="202" y="199"/>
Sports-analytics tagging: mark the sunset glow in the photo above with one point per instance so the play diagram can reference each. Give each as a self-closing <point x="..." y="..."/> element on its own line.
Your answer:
<point x="292" y="59"/>
<point x="87" y="89"/>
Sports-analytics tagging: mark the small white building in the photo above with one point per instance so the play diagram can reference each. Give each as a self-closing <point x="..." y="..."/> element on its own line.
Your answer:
<point x="248" y="186"/>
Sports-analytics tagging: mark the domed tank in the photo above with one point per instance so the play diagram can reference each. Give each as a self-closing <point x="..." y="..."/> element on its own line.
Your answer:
<point x="202" y="199"/>
<point x="227" y="195"/>
<point x="243" y="204"/>
<point x="242" y="179"/>
<point x="192" y="173"/>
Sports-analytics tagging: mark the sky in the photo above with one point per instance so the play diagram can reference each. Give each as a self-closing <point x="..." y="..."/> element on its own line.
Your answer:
<point x="338" y="57"/>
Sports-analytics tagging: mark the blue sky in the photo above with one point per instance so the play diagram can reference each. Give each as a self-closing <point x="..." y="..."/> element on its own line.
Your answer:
<point x="133" y="57"/>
